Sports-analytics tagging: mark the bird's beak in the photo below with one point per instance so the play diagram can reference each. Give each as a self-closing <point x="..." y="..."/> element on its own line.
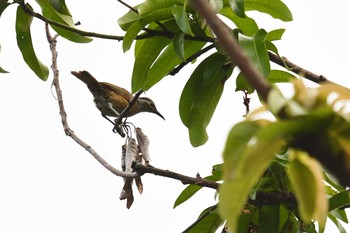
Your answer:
<point x="158" y="113"/>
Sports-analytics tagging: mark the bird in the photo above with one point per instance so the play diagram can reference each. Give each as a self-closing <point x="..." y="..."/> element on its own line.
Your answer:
<point x="111" y="100"/>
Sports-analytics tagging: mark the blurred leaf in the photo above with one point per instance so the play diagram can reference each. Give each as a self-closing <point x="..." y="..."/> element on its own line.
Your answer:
<point x="3" y="5"/>
<point x="208" y="222"/>
<point x="168" y="60"/>
<point x="337" y="224"/>
<point x="275" y="34"/>
<point x="247" y="25"/>
<point x="181" y="18"/>
<point x="238" y="7"/>
<point x="280" y="76"/>
<point x="198" y="101"/>
<point x="276" y="8"/>
<point x="248" y="152"/>
<point x="269" y="217"/>
<point x="63" y="17"/>
<point x="24" y="42"/>
<point x="255" y="48"/>
<point x="307" y="178"/>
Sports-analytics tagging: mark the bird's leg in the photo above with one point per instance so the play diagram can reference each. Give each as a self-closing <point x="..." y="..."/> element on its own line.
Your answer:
<point x="108" y="119"/>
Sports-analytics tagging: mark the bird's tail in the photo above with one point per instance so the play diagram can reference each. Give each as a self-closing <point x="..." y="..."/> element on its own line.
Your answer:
<point x="93" y="85"/>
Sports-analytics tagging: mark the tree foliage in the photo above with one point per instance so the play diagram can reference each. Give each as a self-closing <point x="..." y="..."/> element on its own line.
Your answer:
<point x="273" y="177"/>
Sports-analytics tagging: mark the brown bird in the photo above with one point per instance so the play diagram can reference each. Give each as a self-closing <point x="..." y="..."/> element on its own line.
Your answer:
<point x="111" y="100"/>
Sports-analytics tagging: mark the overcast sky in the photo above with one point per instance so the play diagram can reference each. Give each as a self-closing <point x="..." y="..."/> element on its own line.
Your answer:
<point x="50" y="184"/>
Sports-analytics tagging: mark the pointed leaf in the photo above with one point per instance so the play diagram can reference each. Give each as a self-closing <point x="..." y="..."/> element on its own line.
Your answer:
<point x="276" y="8"/>
<point x="154" y="5"/>
<point x="280" y="76"/>
<point x="181" y="18"/>
<point x="24" y="42"/>
<point x="178" y="45"/>
<point x="275" y="34"/>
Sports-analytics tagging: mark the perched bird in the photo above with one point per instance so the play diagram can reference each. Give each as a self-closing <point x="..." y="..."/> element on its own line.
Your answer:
<point x="111" y="100"/>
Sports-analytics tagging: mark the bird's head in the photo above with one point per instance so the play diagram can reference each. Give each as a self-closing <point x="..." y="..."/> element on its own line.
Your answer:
<point x="147" y="105"/>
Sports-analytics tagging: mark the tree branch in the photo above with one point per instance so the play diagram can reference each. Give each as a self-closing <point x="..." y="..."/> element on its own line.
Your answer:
<point x="142" y="169"/>
<point x="68" y="131"/>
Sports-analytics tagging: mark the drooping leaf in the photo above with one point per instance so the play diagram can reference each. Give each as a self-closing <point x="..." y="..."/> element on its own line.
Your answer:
<point x="198" y="101"/>
<point x="181" y="18"/>
<point x="59" y="12"/>
<point x="242" y="84"/>
<point x="307" y="178"/>
<point x="24" y="42"/>
<point x="238" y="7"/>
<point x="208" y="222"/>
<point x="337" y="224"/>
<point x="149" y="6"/>
<point x="255" y="48"/>
<point x="276" y="8"/>
<point x="128" y="19"/>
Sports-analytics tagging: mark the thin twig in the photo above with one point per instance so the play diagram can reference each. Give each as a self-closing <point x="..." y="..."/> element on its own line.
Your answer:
<point x="52" y="41"/>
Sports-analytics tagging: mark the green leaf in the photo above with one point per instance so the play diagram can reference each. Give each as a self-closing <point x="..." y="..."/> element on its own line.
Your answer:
<point x="59" y="12"/>
<point x="247" y="25"/>
<point x="168" y="60"/>
<point x="128" y="19"/>
<point x="137" y="26"/>
<point x="339" y="200"/>
<point x="276" y="8"/>
<point x="275" y="34"/>
<point x="242" y="84"/>
<point x="307" y="178"/>
<point x="189" y="191"/>
<point x="212" y="71"/>
<point x="181" y="18"/>
<point x="248" y="152"/>
<point x="178" y="44"/>
<point x="238" y="7"/>
<point x="279" y="76"/>
<point x="3" y="71"/>
<point x="147" y="54"/>
<point x="154" y="5"/>
<point x="3" y="5"/>
<point x="255" y="48"/>
<point x="24" y="42"/>
<point x="209" y="222"/>
<point x="269" y="217"/>
<point x="198" y="101"/>
<point x="337" y="224"/>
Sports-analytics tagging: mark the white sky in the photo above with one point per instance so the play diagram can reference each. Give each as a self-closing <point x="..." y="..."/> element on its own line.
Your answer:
<point x="50" y="184"/>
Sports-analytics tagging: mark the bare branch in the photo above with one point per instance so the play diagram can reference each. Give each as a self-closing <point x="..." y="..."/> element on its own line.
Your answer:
<point x="52" y="41"/>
